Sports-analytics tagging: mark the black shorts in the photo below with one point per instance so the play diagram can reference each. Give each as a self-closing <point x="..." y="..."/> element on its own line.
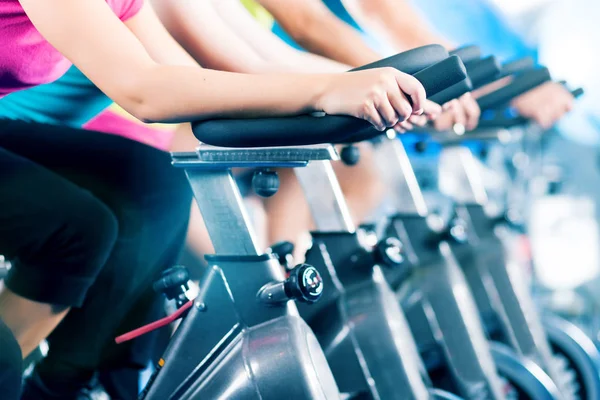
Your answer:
<point x="88" y="220"/>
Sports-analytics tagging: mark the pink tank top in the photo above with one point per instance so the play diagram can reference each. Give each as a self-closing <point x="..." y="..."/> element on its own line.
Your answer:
<point x="111" y="122"/>
<point x="26" y="58"/>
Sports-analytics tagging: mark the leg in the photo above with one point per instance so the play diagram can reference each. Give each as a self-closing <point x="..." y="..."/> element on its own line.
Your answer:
<point x="361" y="184"/>
<point x="10" y="364"/>
<point x="44" y="229"/>
<point x="150" y="200"/>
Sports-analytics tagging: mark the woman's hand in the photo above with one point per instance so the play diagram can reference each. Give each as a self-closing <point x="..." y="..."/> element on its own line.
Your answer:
<point x="385" y="97"/>
<point x="545" y="104"/>
<point x="463" y="111"/>
<point x="431" y="111"/>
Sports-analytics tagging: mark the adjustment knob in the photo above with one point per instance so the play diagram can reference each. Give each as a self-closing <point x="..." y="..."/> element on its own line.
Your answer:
<point x="458" y="231"/>
<point x="421" y="146"/>
<point x="173" y="283"/>
<point x="389" y="252"/>
<point x="284" y="252"/>
<point x="455" y="231"/>
<point x="350" y="155"/>
<point x="265" y="183"/>
<point x="304" y="284"/>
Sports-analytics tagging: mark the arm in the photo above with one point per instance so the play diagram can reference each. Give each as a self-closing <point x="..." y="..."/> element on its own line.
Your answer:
<point x="267" y="44"/>
<point x="318" y="30"/>
<point x="115" y="60"/>
<point x="200" y="30"/>
<point x="156" y="40"/>
<point x="545" y="104"/>
<point x="397" y="21"/>
<point x="200" y="27"/>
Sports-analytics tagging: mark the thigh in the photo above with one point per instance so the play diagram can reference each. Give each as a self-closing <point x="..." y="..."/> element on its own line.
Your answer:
<point x="107" y="165"/>
<point x="33" y="203"/>
<point x="44" y="229"/>
<point x="150" y="200"/>
<point x="136" y="181"/>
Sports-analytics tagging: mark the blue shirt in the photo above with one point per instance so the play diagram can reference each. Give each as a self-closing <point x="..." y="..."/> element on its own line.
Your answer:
<point x="73" y="100"/>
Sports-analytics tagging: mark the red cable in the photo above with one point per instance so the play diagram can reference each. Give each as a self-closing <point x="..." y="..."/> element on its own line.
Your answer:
<point x="154" y="325"/>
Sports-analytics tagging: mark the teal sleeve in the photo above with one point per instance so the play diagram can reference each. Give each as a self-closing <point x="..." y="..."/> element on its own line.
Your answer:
<point x="73" y="100"/>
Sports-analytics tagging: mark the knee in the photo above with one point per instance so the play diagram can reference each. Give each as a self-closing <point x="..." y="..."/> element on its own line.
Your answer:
<point x="10" y="364"/>
<point x="66" y="254"/>
<point x="89" y="233"/>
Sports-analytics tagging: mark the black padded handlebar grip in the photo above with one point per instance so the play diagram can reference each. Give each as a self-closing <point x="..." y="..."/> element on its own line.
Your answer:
<point x="453" y="92"/>
<point x="521" y="84"/>
<point x="442" y="75"/>
<point x="518" y="65"/>
<point x="306" y="129"/>
<point x="467" y="53"/>
<point x="577" y="93"/>
<point x="483" y="71"/>
<point x="411" y="61"/>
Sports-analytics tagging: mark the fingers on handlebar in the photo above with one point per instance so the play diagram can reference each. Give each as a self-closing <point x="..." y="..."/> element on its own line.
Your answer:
<point x="471" y="111"/>
<point x="414" y="90"/>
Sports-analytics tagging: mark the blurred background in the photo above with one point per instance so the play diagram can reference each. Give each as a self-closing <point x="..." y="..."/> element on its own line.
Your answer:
<point x="564" y="36"/>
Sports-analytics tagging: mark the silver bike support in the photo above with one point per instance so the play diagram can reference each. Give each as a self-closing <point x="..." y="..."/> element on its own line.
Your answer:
<point x="514" y="304"/>
<point x="459" y="170"/>
<point x="245" y="346"/>
<point x="457" y="323"/>
<point x="452" y="311"/>
<point x="325" y="198"/>
<point x="221" y="206"/>
<point x="218" y="197"/>
<point x="395" y="168"/>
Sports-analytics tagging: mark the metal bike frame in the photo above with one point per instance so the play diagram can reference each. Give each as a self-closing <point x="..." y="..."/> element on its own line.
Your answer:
<point x="230" y="345"/>
<point x="440" y="306"/>
<point x="360" y="326"/>
<point x="501" y="287"/>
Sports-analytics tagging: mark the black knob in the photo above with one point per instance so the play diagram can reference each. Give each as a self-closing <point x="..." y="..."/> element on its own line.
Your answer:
<point x="304" y="284"/>
<point x="484" y="151"/>
<point x="458" y="231"/>
<point x="173" y="282"/>
<point x="284" y="252"/>
<point x="350" y="155"/>
<point x="454" y="231"/>
<point x="368" y="227"/>
<point x="265" y="183"/>
<point x="389" y="252"/>
<point x="421" y="146"/>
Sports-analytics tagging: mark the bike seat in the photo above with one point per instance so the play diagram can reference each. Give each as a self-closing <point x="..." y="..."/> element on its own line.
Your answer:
<point x="310" y="129"/>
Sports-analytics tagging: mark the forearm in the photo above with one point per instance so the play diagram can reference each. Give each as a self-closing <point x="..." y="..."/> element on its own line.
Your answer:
<point x="199" y="27"/>
<point x="339" y="43"/>
<point x="319" y="31"/>
<point x="399" y="22"/>
<point x="314" y="63"/>
<point x="176" y="94"/>
<point x="275" y="52"/>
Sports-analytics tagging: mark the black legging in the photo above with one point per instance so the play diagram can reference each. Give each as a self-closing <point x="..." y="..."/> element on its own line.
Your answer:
<point x="10" y="364"/>
<point x="89" y="220"/>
